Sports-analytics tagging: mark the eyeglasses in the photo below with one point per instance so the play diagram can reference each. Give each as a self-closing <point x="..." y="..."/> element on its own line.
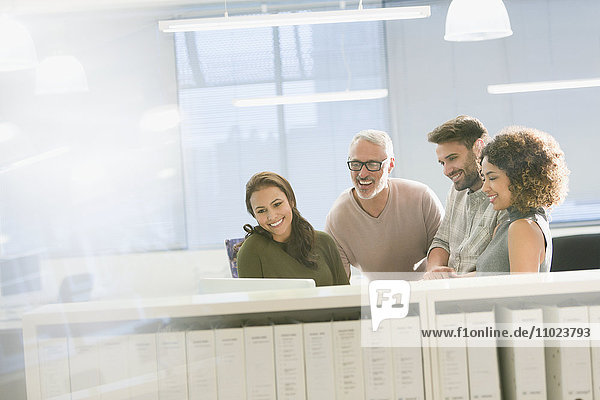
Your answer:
<point x="371" y="165"/>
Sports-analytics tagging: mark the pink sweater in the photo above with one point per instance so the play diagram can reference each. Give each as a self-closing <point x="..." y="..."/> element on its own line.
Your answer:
<point x="397" y="239"/>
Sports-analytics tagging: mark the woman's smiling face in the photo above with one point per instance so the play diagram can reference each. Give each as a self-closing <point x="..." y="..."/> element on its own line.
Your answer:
<point x="496" y="185"/>
<point x="273" y="212"/>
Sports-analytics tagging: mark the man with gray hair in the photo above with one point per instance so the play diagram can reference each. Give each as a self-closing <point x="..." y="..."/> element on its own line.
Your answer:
<point x="382" y="224"/>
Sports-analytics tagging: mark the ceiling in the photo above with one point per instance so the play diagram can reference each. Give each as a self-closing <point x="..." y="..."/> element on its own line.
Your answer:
<point x="25" y="7"/>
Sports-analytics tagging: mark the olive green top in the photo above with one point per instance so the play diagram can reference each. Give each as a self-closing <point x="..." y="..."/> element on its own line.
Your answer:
<point x="260" y="257"/>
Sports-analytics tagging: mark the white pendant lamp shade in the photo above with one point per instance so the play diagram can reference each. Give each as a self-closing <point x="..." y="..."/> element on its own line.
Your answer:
<point x="60" y="74"/>
<point x="474" y="20"/>
<point x="17" y="50"/>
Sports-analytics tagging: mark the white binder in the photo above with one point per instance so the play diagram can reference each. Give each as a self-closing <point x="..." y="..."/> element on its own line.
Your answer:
<point x="568" y="367"/>
<point x="407" y="358"/>
<point x="260" y="363"/>
<point x="231" y="365"/>
<point x="54" y="368"/>
<point x="378" y="366"/>
<point x="347" y="355"/>
<point x="523" y="366"/>
<point x="482" y="357"/>
<point x="172" y="368"/>
<point x="143" y="366"/>
<point x="318" y="356"/>
<point x="289" y="362"/>
<point x="452" y="358"/>
<point x="83" y="368"/>
<point x="113" y="367"/>
<point x="201" y="365"/>
<point x="594" y="316"/>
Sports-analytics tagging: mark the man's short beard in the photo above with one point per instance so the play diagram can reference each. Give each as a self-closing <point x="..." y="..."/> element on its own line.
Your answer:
<point x="468" y="181"/>
<point x="376" y="191"/>
<point x="471" y="173"/>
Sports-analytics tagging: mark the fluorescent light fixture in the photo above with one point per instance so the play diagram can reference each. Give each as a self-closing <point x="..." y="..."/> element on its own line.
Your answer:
<point x="36" y="158"/>
<point x="312" y="98"/>
<point x="295" y="18"/>
<point x="542" y="85"/>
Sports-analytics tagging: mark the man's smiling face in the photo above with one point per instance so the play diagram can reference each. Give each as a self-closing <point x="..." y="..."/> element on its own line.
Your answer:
<point x="368" y="184"/>
<point x="459" y="164"/>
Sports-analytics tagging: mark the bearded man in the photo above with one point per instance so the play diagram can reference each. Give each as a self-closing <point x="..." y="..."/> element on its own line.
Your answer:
<point x="382" y="224"/>
<point x="470" y="219"/>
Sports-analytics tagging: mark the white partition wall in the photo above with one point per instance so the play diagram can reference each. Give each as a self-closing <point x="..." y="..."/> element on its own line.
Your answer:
<point x="330" y="319"/>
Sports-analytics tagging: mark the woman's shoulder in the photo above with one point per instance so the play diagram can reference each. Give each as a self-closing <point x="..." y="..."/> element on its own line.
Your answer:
<point x="525" y="227"/>
<point x="523" y="222"/>
<point x="253" y="242"/>
<point x="321" y="236"/>
<point x="324" y="240"/>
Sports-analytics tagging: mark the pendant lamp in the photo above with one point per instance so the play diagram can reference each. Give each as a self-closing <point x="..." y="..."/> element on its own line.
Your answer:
<point x="475" y="20"/>
<point x="17" y="50"/>
<point x="60" y="74"/>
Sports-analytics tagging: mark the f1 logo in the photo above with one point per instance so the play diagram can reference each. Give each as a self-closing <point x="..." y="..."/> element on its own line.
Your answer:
<point x="388" y="299"/>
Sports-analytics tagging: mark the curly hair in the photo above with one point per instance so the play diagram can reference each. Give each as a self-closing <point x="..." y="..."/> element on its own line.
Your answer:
<point x="302" y="239"/>
<point x="462" y="129"/>
<point x="535" y="166"/>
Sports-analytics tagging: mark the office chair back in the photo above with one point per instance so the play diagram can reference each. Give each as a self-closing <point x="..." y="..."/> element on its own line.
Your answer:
<point x="576" y="252"/>
<point x="232" y="246"/>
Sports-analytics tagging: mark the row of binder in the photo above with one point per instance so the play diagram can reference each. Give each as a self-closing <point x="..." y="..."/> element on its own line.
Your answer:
<point x="320" y="360"/>
<point x="328" y="360"/>
<point x="554" y="369"/>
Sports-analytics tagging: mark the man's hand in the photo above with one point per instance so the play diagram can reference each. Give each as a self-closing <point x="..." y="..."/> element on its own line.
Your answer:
<point x="440" y="272"/>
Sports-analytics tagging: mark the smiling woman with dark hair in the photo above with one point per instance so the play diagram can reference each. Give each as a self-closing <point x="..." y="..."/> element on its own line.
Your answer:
<point x="524" y="172"/>
<point x="284" y="244"/>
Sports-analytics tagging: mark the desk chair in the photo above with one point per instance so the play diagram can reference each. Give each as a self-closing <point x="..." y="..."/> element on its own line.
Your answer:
<point x="232" y="246"/>
<point x="75" y="288"/>
<point x="575" y="252"/>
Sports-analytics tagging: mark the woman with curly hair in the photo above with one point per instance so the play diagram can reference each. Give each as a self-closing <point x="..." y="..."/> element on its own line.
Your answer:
<point x="284" y="244"/>
<point x="524" y="172"/>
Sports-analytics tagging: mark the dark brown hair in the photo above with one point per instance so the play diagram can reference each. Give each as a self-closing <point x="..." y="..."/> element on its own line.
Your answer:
<point x="535" y="166"/>
<point x="463" y="129"/>
<point x="302" y="238"/>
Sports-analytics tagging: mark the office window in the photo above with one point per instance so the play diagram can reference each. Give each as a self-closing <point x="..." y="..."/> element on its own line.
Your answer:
<point x="78" y="174"/>
<point x="224" y="145"/>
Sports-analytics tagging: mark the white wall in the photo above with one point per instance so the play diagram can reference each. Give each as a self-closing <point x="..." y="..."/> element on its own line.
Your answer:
<point x="432" y="80"/>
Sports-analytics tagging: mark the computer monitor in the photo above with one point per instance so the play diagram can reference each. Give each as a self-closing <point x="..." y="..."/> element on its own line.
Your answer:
<point x="229" y="285"/>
